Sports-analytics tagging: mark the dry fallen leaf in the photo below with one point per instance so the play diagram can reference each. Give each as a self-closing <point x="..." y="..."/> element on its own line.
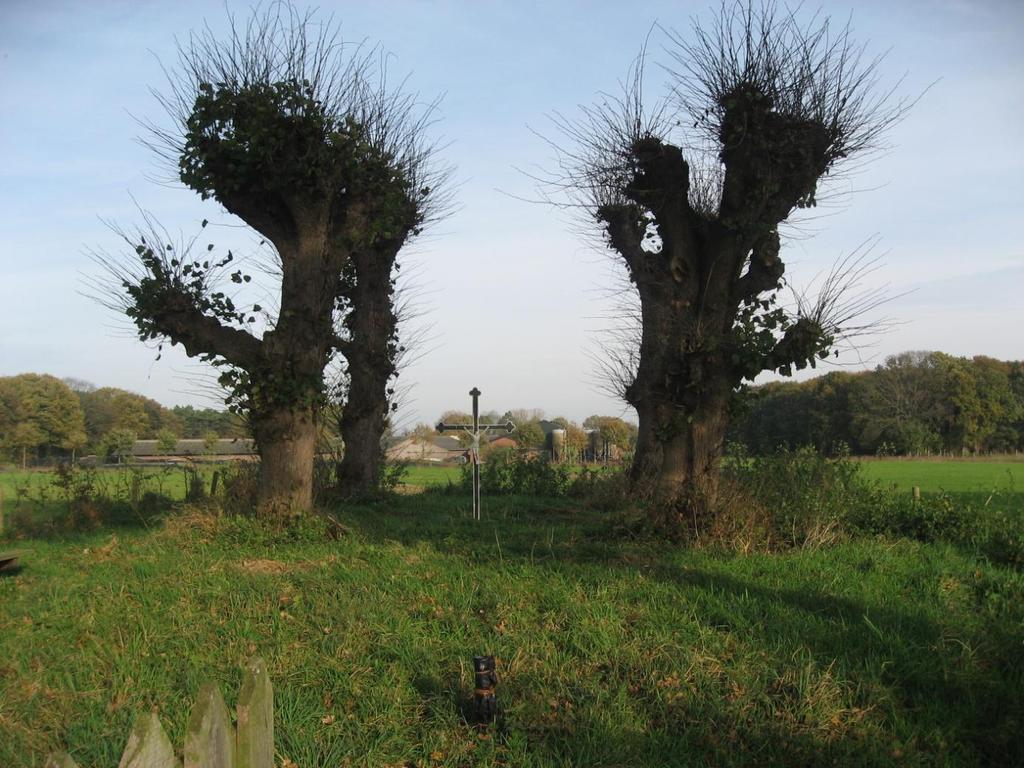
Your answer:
<point x="327" y="720"/>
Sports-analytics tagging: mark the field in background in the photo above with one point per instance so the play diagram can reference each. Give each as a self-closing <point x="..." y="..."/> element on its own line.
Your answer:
<point x="952" y="475"/>
<point x="420" y="476"/>
<point x="931" y="475"/>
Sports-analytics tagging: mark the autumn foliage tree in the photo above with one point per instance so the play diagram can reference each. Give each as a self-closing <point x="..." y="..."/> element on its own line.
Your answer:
<point x="301" y="138"/>
<point x="39" y="415"/>
<point x="690" y="195"/>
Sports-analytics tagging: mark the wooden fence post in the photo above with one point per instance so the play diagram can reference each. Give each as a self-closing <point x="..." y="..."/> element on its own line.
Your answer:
<point x="148" y="746"/>
<point x="917" y="493"/>
<point x="255" y="741"/>
<point x="210" y="739"/>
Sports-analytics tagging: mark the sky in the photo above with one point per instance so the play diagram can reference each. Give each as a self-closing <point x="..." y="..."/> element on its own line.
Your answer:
<point x="510" y="296"/>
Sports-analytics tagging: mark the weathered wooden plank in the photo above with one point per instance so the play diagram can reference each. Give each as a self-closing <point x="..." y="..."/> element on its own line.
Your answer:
<point x="210" y="737"/>
<point x="9" y="560"/>
<point x="148" y="745"/>
<point x="255" y="738"/>
<point x="60" y="760"/>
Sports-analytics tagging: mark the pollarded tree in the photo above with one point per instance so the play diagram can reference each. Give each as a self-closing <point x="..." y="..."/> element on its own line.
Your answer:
<point x="370" y="328"/>
<point x="301" y="139"/>
<point x="373" y="308"/>
<point x="692" y="198"/>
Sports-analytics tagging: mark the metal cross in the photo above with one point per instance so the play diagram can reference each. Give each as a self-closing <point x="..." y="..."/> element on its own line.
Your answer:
<point x="475" y="430"/>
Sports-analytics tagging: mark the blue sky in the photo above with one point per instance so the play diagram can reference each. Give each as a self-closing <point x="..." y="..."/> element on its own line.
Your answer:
<point x="946" y="200"/>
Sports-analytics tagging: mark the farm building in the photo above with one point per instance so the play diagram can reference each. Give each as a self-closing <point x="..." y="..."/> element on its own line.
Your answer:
<point x="185" y="449"/>
<point x="434" y="450"/>
<point x="440" y="448"/>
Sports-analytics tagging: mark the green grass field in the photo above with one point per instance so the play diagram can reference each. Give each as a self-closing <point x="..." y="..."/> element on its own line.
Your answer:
<point x="613" y="650"/>
<point x="930" y="475"/>
<point x="421" y="476"/>
<point x="952" y="475"/>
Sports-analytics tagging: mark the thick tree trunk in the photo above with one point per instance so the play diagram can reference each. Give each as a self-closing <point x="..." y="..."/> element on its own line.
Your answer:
<point x="689" y="471"/>
<point x="681" y="393"/>
<point x="678" y="470"/>
<point x="286" y="441"/>
<point x="359" y="471"/>
<point x="370" y="364"/>
<point x="646" y="455"/>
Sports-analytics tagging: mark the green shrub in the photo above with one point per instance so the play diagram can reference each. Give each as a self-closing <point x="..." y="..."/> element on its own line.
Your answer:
<point x="991" y="533"/>
<point x="239" y="489"/>
<point x="1001" y="539"/>
<point x="931" y="518"/>
<point x="792" y="498"/>
<point x="327" y="491"/>
<point x="84" y="499"/>
<point x="508" y="473"/>
<point x="603" y="487"/>
<point x="801" y="498"/>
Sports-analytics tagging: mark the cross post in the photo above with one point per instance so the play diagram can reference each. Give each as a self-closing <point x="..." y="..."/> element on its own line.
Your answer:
<point x="475" y="430"/>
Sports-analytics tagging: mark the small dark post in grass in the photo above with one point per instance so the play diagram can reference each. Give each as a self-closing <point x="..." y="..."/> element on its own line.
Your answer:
<point x="484" y="698"/>
<point x="214" y="481"/>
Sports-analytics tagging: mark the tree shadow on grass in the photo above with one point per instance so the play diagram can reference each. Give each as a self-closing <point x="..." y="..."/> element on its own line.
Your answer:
<point x="514" y="528"/>
<point x="933" y="693"/>
<point x="59" y="523"/>
<point x="879" y="663"/>
<point x="977" y="705"/>
<point x="699" y="738"/>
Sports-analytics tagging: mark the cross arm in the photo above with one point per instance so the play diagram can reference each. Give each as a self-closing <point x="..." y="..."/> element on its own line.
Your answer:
<point x="508" y="426"/>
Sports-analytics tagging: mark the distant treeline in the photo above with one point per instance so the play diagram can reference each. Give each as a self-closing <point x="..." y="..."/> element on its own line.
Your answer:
<point x="916" y="403"/>
<point x="45" y="417"/>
